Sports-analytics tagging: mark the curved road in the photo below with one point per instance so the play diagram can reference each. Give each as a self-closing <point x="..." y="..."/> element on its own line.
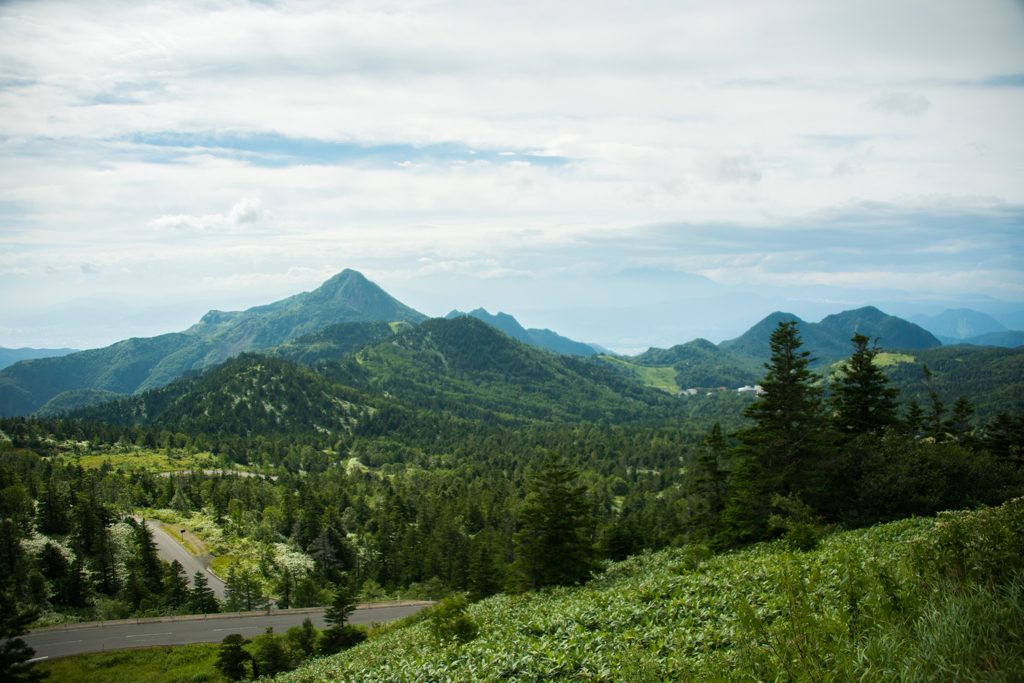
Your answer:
<point x="184" y="630"/>
<point x="169" y="549"/>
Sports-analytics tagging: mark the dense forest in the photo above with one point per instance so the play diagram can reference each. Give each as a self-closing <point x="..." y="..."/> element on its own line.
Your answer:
<point x="421" y="466"/>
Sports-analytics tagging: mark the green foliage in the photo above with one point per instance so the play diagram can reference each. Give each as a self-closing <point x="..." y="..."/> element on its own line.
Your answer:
<point x="185" y="664"/>
<point x="341" y="607"/>
<point x="449" y="623"/>
<point x="860" y="400"/>
<point x="303" y="640"/>
<point x="232" y="660"/>
<point x="781" y="453"/>
<point x="14" y="652"/>
<point x="863" y="606"/>
<point x="553" y="545"/>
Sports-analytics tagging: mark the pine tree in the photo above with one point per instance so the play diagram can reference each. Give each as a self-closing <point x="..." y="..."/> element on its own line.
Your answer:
<point x="553" y="545"/>
<point x="244" y="591"/>
<point x="341" y="607"/>
<point x="938" y="408"/>
<point x="959" y="421"/>
<point x="201" y="598"/>
<point x="15" y="654"/>
<point x="232" y="658"/>
<point x="782" y="452"/>
<point x="176" y="585"/>
<point x="484" y="578"/>
<point x="711" y="484"/>
<point x="861" y="402"/>
<point x="915" y="418"/>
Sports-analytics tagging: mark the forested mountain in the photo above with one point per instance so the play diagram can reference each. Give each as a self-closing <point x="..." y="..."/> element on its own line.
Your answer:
<point x="462" y="368"/>
<point x="135" y="365"/>
<point x="533" y="336"/>
<point x="830" y="339"/>
<point x="11" y="356"/>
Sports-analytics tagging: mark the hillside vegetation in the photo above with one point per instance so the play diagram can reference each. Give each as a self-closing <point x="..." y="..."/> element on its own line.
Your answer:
<point x="914" y="600"/>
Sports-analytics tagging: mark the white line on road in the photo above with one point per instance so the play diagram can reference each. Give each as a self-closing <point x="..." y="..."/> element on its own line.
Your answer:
<point x="66" y="642"/>
<point x="36" y="659"/>
<point x="240" y="628"/>
<point x="147" y="635"/>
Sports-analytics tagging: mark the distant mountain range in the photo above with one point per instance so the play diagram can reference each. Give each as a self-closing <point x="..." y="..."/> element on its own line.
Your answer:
<point x="964" y="326"/>
<point x="12" y="356"/>
<point x="349" y="312"/>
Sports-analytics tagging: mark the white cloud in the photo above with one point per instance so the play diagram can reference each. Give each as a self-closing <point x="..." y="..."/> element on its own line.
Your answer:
<point x="741" y="128"/>
<point x="913" y="105"/>
<point x="246" y="212"/>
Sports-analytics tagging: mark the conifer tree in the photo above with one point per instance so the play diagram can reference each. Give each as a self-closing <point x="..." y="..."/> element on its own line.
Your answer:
<point x="782" y="452"/>
<point x="711" y="484"/>
<point x="553" y="545"/>
<point x="861" y="402"/>
<point x="15" y="654"/>
<point x="176" y="585"/>
<point x="201" y="598"/>
<point x="232" y="658"/>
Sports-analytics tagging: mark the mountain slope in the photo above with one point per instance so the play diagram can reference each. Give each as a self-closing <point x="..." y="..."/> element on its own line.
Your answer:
<point x="136" y="365"/>
<point x="443" y="369"/>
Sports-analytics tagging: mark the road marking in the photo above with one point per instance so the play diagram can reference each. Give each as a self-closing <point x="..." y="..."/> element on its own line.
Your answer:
<point x="240" y="628"/>
<point x="36" y="659"/>
<point x="66" y="642"/>
<point x="147" y="635"/>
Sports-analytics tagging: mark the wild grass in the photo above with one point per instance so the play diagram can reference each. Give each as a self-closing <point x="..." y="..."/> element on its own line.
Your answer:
<point x="184" y="664"/>
<point x="150" y="460"/>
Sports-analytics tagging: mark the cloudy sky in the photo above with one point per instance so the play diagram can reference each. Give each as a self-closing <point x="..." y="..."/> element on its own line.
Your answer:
<point x="624" y="173"/>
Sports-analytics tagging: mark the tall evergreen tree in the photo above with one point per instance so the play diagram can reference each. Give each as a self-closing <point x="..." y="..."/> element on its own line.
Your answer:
<point x="554" y="545"/>
<point x="710" y="486"/>
<point x="860" y="401"/>
<point x="201" y="599"/>
<point x="783" y="451"/>
<point x="176" y="585"/>
<point x="15" y="654"/>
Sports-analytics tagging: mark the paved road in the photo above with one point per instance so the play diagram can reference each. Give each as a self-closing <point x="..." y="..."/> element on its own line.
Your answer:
<point x="169" y="549"/>
<point x="53" y="644"/>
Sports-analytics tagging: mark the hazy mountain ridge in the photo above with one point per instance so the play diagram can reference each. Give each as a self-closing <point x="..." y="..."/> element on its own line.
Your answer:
<point x="535" y="337"/>
<point x="958" y="324"/>
<point x="12" y="356"/>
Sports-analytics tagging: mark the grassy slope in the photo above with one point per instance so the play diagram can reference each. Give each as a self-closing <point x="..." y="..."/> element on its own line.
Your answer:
<point x="186" y="664"/>
<point x="871" y="604"/>
<point x="657" y="378"/>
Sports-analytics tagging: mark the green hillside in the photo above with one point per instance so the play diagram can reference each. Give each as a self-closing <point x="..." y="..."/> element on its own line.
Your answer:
<point x="914" y="600"/>
<point x="66" y="401"/>
<point x="462" y="368"/>
<point x="332" y="342"/>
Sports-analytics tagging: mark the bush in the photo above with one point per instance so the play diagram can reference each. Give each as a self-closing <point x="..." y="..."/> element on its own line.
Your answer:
<point x="449" y="622"/>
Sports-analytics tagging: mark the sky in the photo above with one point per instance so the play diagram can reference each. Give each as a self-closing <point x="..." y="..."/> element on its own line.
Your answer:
<point x="625" y="173"/>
